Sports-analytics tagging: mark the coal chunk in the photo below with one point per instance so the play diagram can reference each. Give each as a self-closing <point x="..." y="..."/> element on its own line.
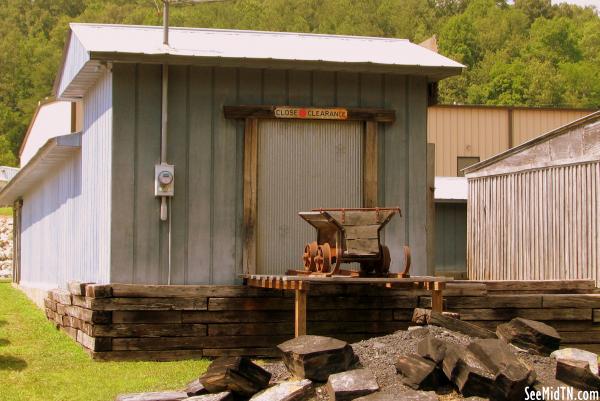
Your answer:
<point x="530" y="335"/>
<point x="420" y="373"/>
<point x="316" y="357"/>
<point x="349" y="385"/>
<point x="236" y="374"/>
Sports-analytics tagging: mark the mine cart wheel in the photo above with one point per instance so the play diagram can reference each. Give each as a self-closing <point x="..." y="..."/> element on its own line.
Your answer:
<point x="323" y="258"/>
<point x="383" y="267"/>
<point x="367" y="267"/>
<point x="310" y="251"/>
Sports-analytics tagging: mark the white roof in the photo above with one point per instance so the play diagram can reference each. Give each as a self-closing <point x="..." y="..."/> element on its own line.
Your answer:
<point x="451" y="189"/>
<point x="114" y="42"/>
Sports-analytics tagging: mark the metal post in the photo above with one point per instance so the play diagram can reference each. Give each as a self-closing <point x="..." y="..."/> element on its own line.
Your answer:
<point x="166" y="22"/>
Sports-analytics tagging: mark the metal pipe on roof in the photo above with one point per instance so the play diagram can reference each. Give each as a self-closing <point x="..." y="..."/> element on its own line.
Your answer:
<point x="166" y="22"/>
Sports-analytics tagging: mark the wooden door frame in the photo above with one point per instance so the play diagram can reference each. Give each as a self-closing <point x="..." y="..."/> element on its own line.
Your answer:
<point x="251" y="114"/>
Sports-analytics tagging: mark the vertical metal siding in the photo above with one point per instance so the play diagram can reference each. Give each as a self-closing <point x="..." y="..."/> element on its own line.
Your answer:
<point x="66" y="218"/>
<point x="484" y="131"/>
<point x="76" y="58"/>
<point x="465" y="131"/>
<point x="207" y="150"/>
<point x="529" y="123"/>
<point x="48" y="236"/>
<point x="302" y="165"/>
<point x="94" y="220"/>
<point x="532" y="225"/>
<point x="451" y="237"/>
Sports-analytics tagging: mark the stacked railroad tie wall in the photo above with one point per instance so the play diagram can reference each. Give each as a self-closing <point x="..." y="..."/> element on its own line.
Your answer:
<point x="145" y="322"/>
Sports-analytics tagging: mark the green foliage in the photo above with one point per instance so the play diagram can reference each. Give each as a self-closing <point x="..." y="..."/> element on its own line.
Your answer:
<point x="40" y="363"/>
<point x="527" y="53"/>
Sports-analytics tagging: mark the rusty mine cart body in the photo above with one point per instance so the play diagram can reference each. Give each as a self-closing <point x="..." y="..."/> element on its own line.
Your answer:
<point x="350" y="236"/>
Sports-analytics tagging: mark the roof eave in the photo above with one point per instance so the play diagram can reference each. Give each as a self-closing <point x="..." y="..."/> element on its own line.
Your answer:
<point x="53" y="153"/>
<point x="541" y="138"/>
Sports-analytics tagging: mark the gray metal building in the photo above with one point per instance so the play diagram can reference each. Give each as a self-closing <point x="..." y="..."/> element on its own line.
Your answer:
<point x="534" y="210"/>
<point x="258" y="126"/>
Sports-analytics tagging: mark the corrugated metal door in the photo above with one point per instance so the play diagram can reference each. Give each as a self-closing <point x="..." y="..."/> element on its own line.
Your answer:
<point x="302" y="165"/>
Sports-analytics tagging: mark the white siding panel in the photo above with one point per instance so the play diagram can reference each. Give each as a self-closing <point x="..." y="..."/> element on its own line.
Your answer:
<point x="544" y="228"/>
<point x="66" y="218"/>
<point x="96" y="179"/>
<point x="75" y="60"/>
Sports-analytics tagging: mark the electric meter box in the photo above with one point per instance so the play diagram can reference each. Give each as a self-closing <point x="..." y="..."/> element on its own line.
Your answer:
<point x="164" y="180"/>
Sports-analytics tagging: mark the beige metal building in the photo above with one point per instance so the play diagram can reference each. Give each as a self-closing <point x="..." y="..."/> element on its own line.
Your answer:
<point x="464" y="135"/>
<point x="533" y="211"/>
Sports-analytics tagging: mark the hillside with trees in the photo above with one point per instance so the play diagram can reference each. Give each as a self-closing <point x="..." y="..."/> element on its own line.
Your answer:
<point x="529" y="53"/>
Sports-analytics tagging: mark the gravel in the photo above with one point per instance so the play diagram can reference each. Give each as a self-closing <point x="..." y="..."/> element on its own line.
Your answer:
<point x="379" y="354"/>
<point x="6" y="233"/>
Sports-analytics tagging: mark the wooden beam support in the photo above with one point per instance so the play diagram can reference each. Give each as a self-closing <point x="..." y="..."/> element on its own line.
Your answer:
<point x="300" y="312"/>
<point x="250" y="194"/>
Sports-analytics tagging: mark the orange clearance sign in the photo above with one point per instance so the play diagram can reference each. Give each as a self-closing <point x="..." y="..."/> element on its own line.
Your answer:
<point x="311" y="113"/>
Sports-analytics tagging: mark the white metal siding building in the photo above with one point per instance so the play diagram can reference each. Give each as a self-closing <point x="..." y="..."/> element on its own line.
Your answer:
<point x="534" y="211"/>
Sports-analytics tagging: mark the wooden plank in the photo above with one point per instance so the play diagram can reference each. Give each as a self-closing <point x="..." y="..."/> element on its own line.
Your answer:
<point x="180" y="343"/>
<point x="254" y="352"/>
<point x="398" y="302"/>
<point x="455" y="289"/>
<point x="250" y="194"/>
<point x="559" y="325"/>
<point x="537" y="285"/>
<point x="300" y="313"/>
<point x="596" y="316"/>
<point x="362" y="232"/>
<point x="88" y="315"/>
<point x="571" y="301"/>
<point x="229" y="316"/>
<point x="242" y="304"/>
<point x="490" y="301"/>
<point x="251" y="329"/>
<point x="335" y="328"/>
<point x="94" y="343"/>
<point x="362" y="246"/>
<point x="98" y="290"/>
<point x="141" y="304"/>
<point x="437" y="301"/>
<point x="535" y="314"/>
<point x="60" y="296"/>
<point x="352" y="315"/>
<point x="172" y="291"/>
<point x="161" y="317"/>
<point x="148" y="330"/>
<point x="70" y="331"/>
<point x="76" y="287"/>
<point x="438" y="319"/>
<point x="160" y="356"/>
<point x="580" y="337"/>
<point x="371" y="167"/>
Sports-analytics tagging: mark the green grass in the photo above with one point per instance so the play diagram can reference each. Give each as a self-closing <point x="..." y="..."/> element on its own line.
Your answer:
<point x="38" y="362"/>
<point x="6" y="211"/>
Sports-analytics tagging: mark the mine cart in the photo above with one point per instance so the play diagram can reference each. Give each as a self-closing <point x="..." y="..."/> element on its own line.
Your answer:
<point x="349" y="236"/>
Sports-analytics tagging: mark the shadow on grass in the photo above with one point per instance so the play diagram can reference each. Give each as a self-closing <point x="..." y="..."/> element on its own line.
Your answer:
<point x="2" y="322"/>
<point x="4" y="341"/>
<point x="11" y="363"/>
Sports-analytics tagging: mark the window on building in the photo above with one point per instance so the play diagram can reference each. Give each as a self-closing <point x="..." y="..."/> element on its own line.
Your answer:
<point x="464" y="162"/>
